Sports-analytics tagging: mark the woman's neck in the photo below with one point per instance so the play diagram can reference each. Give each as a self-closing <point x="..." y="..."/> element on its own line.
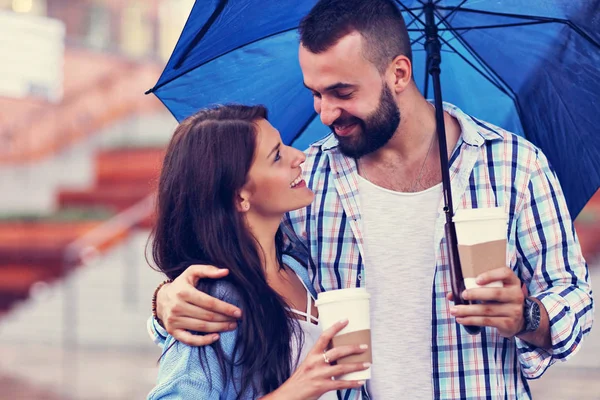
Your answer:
<point x="264" y="231"/>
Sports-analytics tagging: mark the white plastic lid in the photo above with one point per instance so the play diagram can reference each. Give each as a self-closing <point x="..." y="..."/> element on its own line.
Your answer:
<point x="476" y="214"/>
<point x="342" y="295"/>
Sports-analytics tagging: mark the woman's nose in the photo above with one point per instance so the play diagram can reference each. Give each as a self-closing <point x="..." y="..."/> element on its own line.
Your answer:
<point x="299" y="157"/>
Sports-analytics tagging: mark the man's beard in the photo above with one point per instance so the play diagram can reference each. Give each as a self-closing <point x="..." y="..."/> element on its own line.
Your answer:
<point x="375" y="131"/>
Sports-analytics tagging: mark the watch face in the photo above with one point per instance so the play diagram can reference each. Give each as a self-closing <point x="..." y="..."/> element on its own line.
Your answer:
<point x="532" y="315"/>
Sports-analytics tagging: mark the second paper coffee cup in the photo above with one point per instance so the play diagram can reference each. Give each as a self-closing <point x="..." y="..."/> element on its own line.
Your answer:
<point x="481" y="236"/>
<point x="351" y="304"/>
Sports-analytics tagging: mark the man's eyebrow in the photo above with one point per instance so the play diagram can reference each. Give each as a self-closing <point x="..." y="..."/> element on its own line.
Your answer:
<point x="335" y="86"/>
<point x="277" y="146"/>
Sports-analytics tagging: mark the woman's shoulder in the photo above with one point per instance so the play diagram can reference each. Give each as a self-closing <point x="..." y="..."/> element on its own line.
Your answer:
<point x="182" y="375"/>
<point x="193" y="372"/>
<point x="222" y="289"/>
<point x="300" y="270"/>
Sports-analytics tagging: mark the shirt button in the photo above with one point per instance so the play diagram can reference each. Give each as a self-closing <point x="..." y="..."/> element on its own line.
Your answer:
<point x="360" y="277"/>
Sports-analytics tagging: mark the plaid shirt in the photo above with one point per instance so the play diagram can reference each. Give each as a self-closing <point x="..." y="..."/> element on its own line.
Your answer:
<point x="489" y="167"/>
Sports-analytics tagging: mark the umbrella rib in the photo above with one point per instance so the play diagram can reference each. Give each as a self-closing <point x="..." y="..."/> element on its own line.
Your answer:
<point x="414" y="20"/>
<point x="514" y="97"/>
<point x="200" y="35"/>
<point x="572" y="25"/>
<point x="511" y="25"/>
<point x="301" y="130"/>
<point x="503" y="90"/>
<point x="410" y="12"/>
<point x="491" y="72"/>
<point x="498" y="14"/>
<point x="451" y="12"/>
<point x="581" y="32"/>
<point x="417" y="39"/>
<point x="218" y="56"/>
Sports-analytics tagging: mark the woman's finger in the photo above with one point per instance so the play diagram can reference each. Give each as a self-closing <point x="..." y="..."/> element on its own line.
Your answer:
<point x="342" y="369"/>
<point x="342" y="385"/>
<point x="323" y="341"/>
<point x="342" y="351"/>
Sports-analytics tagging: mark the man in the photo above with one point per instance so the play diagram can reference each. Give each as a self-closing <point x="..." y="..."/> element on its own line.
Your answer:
<point x="377" y="221"/>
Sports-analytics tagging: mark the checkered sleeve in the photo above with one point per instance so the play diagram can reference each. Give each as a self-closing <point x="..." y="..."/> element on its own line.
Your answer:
<point x="551" y="256"/>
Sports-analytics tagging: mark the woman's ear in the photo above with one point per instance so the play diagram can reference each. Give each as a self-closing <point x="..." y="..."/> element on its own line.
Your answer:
<point x="242" y="203"/>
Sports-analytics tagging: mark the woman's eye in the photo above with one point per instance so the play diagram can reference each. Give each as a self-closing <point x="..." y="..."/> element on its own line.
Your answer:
<point x="278" y="156"/>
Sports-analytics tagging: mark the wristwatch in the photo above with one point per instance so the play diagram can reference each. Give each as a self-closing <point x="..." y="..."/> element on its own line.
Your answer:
<point x="531" y="314"/>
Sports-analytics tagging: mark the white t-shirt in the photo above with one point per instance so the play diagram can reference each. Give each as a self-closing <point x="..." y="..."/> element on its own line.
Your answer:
<point x="399" y="268"/>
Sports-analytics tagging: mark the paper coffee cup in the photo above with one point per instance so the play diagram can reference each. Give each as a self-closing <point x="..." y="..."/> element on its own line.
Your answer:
<point x="351" y="304"/>
<point x="481" y="235"/>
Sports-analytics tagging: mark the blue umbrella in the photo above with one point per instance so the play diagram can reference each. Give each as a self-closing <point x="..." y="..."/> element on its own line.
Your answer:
<point x="531" y="67"/>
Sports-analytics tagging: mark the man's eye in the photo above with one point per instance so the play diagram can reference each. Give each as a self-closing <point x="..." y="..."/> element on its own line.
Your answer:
<point x="317" y="95"/>
<point x="344" y="95"/>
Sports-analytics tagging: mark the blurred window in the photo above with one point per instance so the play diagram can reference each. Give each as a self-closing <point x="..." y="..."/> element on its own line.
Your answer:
<point x="136" y="29"/>
<point x="32" y="7"/>
<point x="172" y="15"/>
<point x="98" y="33"/>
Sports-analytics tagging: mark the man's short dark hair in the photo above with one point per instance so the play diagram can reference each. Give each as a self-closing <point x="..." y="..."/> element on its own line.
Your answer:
<point x="378" y="21"/>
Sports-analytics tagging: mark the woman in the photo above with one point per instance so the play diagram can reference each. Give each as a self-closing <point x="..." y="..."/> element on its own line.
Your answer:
<point x="226" y="182"/>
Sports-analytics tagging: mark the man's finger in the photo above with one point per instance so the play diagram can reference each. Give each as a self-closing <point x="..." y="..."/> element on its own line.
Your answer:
<point x="211" y="304"/>
<point x="198" y="271"/>
<point x="195" y="340"/>
<point x="191" y="324"/>
<point x="449" y="296"/>
<point x="499" y="294"/>
<point x="184" y="309"/>
<point x="503" y="274"/>
<point x="489" y="309"/>
<point x="495" y="322"/>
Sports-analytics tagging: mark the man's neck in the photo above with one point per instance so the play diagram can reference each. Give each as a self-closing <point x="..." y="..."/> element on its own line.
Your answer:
<point x="413" y="136"/>
<point x="410" y="161"/>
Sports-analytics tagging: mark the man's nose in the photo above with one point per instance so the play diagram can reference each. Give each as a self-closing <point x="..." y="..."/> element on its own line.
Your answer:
<point x="329" y="112"/>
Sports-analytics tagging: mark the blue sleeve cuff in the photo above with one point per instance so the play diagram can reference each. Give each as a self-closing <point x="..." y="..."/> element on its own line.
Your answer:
<point x="157" y="333"/>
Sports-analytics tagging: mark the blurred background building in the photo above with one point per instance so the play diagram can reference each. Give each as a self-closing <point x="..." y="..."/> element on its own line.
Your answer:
<point x="80" y="151"/>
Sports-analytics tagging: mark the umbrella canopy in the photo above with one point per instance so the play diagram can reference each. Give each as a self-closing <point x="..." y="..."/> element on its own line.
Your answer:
<point x="531" y="67"/>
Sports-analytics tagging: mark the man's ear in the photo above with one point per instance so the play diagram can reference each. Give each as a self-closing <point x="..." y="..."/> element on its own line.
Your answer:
<point x="400" y="73"/>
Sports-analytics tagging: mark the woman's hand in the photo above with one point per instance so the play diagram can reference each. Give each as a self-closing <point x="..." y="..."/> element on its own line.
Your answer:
<point x="313" y="377"/>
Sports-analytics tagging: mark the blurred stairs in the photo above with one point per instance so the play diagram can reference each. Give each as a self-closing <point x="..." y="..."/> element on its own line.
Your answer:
<point x="34" y="249"/>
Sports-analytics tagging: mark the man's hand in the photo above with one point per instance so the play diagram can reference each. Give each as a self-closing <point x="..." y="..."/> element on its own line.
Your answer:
<point x="183" y="308"/>
<point x="502" y="307"/>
